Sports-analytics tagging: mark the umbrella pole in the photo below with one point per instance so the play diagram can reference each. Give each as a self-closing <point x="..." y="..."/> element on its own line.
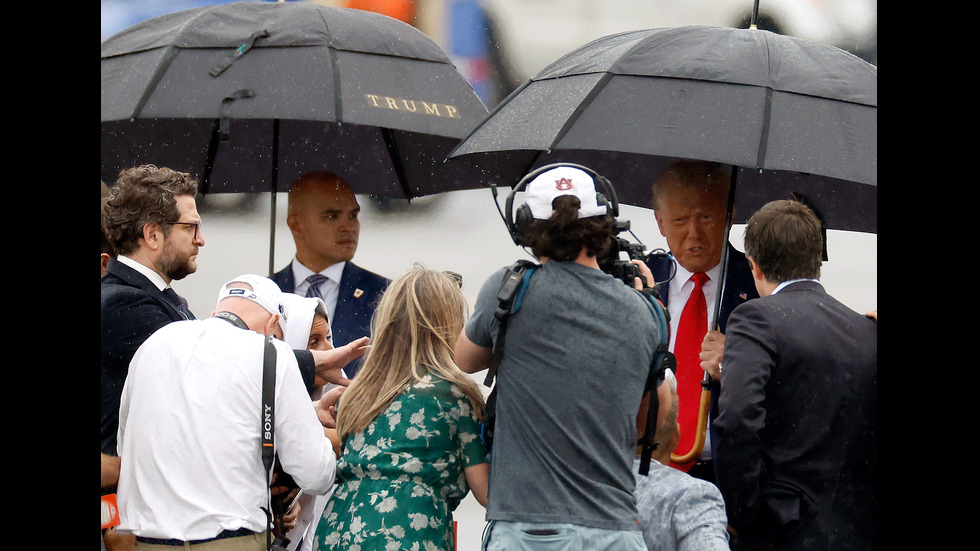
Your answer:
<point x="272" y="236"/>
<point x="275" y="185"/>
<point x="704" y="406"/>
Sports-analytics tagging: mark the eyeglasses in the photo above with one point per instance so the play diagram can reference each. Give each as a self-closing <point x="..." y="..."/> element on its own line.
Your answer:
<point x="197" y="227"/>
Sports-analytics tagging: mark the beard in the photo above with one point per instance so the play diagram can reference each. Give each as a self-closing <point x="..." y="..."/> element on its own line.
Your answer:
<point x="176" y="264"/>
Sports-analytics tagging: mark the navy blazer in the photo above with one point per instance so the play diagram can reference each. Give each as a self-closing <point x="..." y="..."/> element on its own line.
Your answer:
<point x="133" y="308"/>
<point x="360" y="291"/>
<point x="796" y="459"/>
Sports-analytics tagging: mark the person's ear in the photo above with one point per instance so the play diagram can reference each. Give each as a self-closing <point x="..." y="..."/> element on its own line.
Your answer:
<point x="293" y="223"/>
<point x="271" y="326"/>
<point x="153" y="235"/>
<point x="756" y="272"/>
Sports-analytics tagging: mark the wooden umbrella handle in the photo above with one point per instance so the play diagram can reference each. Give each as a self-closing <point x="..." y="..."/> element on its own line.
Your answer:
<point x="701" y="428"/>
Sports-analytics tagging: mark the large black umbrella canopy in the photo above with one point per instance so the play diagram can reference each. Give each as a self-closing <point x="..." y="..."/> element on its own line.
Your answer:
<point x="795" y="118"/>
<point x="248" y="96"/>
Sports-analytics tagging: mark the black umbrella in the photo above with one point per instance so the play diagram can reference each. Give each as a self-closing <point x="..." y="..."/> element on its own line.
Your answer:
<point x="247" y="96"/>
<point x="795" y="119"/>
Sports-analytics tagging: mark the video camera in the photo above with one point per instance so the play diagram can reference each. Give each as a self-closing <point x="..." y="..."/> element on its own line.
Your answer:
<point x="613" y="263"/>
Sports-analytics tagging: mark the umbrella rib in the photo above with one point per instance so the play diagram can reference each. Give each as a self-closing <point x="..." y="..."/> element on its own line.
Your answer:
<point x="168" y="56"/>
<point x="764" y="134"/>
<point x="582" y="106"/>
<point x="392" y="147"/>
<point x="335" y="72"/>
<point x="490" y="115"/>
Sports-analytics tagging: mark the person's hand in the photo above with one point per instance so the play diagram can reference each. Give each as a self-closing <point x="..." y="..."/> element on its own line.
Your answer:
<point x="330" y="363"/>
<point x="873" y="315"/>
<point x="274" y="489"/>
<point x="114" y="541"/>
<point x="712" y="350"/>
<point x="645" y="272"/>
<point x="291" y="518"/>
<point x="326" y="407"/>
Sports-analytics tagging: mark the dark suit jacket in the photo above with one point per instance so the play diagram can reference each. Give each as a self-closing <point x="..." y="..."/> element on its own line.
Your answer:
<point x="132" y="309"/>
<point x="796" y="428"/>
<point x="360" y="291"/>
<point x="739" y="287"/>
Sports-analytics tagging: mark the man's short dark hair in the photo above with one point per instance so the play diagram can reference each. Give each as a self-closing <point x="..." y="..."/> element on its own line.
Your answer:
<point x="783" y="238"/>
<point x="563" y="236"/>
<point x="143" y="195"/>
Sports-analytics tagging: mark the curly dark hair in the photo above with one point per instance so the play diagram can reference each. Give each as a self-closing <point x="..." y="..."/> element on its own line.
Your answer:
<point x="563" y="236"/>
<point x="143" y="195"/>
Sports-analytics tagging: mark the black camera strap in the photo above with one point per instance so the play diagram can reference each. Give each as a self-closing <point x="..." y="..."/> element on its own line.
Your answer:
<point x="508" y="301"/>
<point x="268" y="413"/>
<point x="663" y="360"/>
<point x="268" y="423"/>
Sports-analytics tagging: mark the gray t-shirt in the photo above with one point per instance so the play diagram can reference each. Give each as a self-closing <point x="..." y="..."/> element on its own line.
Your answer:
<point x="575" y="361"/>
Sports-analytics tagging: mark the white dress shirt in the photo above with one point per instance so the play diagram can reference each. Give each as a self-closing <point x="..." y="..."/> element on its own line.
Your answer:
<point x="679" y="290"/>
<point x="190" y="432"/>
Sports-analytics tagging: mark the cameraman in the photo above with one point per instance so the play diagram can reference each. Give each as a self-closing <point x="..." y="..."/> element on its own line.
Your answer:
<point x="573" y="367"/>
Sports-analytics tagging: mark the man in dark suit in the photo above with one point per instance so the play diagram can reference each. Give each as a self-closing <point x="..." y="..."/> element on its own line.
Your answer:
<point x="796" y="455"/>
<point x="690" y="201"/>
<point x="323" y="218"/>
<point x="151" y="220"/>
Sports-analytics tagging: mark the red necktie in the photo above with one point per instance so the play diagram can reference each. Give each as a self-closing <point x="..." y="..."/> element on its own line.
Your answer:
<point x="687" y="349"/>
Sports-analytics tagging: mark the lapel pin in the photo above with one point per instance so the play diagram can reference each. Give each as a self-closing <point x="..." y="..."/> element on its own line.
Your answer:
<point x="358" y="293"/>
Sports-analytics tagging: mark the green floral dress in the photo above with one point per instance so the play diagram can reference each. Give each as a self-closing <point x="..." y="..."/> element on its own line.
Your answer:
<point x="399" y="480"/>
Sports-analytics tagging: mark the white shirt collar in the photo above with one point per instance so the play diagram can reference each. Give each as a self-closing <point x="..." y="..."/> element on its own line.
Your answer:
<point x="682" y="275"/>
<point x="789" y="282"/>
<point x="301" y="272"/>
<point x="150" y="274"/>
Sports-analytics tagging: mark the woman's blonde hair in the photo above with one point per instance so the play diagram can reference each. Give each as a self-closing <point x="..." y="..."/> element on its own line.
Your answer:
<point x="413" y="332"/>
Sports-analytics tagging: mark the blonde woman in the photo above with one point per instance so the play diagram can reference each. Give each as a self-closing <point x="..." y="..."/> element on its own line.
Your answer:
<point x="410" y="424"/>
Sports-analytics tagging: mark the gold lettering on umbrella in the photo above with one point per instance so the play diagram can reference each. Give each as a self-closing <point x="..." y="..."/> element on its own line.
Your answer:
<point x="413" y="106"/>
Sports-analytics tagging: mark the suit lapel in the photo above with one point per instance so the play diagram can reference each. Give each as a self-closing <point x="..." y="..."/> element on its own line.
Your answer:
<point x="133" y="278"/>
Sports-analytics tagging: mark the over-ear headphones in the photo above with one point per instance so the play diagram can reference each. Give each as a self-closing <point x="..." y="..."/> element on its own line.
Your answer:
<point x="516" y="222"/>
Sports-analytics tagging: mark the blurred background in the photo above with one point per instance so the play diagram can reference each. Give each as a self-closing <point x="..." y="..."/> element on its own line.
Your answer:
<point x="497" y="44"/>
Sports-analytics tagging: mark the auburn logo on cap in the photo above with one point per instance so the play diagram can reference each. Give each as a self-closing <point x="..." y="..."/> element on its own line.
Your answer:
<point x="563" y="184"/>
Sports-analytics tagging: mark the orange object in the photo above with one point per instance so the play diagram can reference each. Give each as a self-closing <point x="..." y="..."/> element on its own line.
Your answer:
<point x="403" y="10"/>
<point x="110" y="513"/>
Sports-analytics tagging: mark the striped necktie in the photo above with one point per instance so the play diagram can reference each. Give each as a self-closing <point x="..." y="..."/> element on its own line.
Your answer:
<point x="315" y="281"/>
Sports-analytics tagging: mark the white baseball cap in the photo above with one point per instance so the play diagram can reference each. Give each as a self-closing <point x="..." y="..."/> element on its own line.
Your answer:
<point x="562" y="180"/>
<point x="263" y="292"/>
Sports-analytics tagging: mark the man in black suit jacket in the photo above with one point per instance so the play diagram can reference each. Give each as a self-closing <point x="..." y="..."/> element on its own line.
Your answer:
<point x="796" y="455"/>
<point x="151" y="220"/>
<point x="323" y="218"/>
<point x="152" y="224"/>
<point x="690" y="200"/>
